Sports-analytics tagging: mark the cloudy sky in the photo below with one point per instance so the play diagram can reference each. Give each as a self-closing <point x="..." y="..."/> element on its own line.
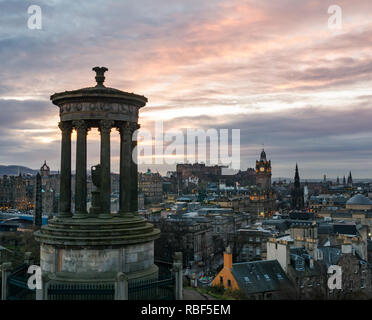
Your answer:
<point x="273" y="69"/>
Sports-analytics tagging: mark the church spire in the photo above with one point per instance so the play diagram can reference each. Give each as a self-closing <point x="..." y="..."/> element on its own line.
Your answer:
<point x="263" y="155"/>
<point x="297" y="192"/>
<point x="297" y="176"/>
<point x="350" y="179"/>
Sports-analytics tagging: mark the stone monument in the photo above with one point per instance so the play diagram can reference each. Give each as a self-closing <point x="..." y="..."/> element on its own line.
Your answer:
<point x="96" y="246"/>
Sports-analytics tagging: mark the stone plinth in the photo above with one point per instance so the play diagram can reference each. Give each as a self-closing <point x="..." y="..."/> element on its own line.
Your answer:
<point x="97" y="249"/>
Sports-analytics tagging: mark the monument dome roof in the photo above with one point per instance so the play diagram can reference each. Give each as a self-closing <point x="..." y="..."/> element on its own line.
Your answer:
<point x="98" y="91"/>
<point x="359" y="199"/>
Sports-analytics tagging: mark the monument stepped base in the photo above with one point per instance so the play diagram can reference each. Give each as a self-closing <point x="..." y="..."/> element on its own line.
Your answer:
<point x="95" y="249"/>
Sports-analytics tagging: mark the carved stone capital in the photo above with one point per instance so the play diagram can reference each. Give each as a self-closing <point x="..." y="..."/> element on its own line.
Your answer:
<point x="6" y="266"/>
<point x="66" y="127"/>
<point x="124" y="128"/>
<point x="81" y="126"/>
<point x="133" y="126"/>
<point x="105" y="126"/>
<point x="121" y="277"/>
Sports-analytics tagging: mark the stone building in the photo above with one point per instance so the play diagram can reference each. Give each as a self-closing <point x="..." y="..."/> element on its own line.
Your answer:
<point x="249" y="244"/>
<point x="16" y="192"/>
<point x="306" y="261"/>
<point x="256" y="280"/>
<point x="151" y="186"/>
<point x="50" y="190"/>
<point x="261" y="202"/>
<point x="356" y="275"/>
<point x="193" y="237"/>
<point x="263" y="172"/>
<point x="359" y="202"/>
<point x="307" y="275"/>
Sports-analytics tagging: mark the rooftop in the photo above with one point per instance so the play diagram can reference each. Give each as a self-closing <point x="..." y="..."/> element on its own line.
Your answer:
<point x="359" y="199"/>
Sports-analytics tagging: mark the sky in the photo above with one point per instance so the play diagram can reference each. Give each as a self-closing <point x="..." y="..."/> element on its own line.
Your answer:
<point x="273" y="69"/>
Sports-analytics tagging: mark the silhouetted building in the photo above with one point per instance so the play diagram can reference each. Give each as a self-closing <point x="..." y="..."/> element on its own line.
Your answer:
<point x="350" y="179"/>
<point x="297" y="193"/>
<point x="263" y="172"/>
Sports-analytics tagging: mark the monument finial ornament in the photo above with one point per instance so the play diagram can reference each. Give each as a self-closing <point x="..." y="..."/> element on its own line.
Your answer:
<point x="100" y="75"/>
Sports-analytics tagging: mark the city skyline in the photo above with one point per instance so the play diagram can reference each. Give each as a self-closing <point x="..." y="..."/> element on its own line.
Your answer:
<point x="274" y="71"/>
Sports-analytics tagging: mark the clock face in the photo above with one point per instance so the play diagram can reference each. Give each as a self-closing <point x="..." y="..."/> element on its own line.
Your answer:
<point x="262" y="169"/>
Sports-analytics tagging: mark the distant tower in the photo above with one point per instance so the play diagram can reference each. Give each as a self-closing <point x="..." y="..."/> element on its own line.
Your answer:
<point x="45" y="170"/>
<point x="324" y="178"/>
<point x="338" y="180"/>
<point x="350" y="179"/>
<point x="344" y="181"/>
<point x="263" y="172"/>
<point x="297" y="193"/>
<point x="38" y="202"/>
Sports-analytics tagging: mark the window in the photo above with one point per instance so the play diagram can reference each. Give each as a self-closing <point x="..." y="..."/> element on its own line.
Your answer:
<point x="258" y="251"/>
<point x="258" y="239"/>
<point x="363" y="283"/>
<point x="267" y="278"/>
<point x="279" y="276"/>
<point x="250" y="251"/>
<point x="221" y="280"/>
<point x="229" y="283"/>
<point x="246" y="279"/>
<point x="301" y="283"/>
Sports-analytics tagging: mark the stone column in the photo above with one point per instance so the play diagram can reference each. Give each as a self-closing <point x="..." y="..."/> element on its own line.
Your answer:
<point x="65" y="177"/>
<point x="42" y="294"/>
<point x="121" y="286"/>
<point x="5" y="272"/>
<point x="81" y="169"/>
<point x="125" y="169"/>
<point x="105" y="129"/>
<point x="178" y="274"/>
<point x="134" y="173"/>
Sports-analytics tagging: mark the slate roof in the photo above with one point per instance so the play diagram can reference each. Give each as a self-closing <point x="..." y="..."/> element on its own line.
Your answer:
<point x="303" y="268"/>
<point x="343" y="228"/>
<point x="260" y="276"/>
<point x="331" y="255"/>
<point x="341" y="214"/>
<point x="298" y="215"/>
<point x="280" y="224"/>
<point x="340" y="228"/>
<point x="325" y="228"/>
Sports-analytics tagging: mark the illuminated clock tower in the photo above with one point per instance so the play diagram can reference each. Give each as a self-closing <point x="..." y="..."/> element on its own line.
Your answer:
<point x="263" y="172"/>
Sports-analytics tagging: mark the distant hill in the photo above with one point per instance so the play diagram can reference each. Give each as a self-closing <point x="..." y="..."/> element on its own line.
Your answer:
<point x="277" y="179"/>
<point x="16" y="170"/>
